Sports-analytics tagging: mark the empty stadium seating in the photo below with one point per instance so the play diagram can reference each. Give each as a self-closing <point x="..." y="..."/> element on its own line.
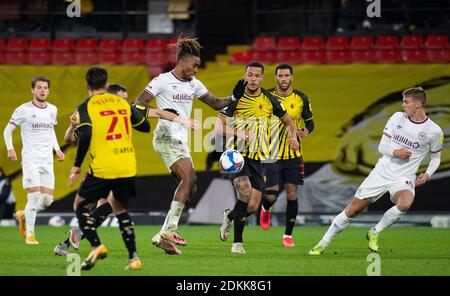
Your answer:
<point x="156" y="54"/>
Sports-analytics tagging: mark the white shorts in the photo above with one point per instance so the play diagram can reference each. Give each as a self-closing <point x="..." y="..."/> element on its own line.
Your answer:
<point x="38" y="174"/>
<point x="375" y="186"/>
<point x="170" y="149"/>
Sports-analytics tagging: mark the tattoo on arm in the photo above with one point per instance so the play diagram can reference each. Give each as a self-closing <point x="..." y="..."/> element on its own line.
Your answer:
<point x="214" y="102"/>
<point x="144" y="99"/>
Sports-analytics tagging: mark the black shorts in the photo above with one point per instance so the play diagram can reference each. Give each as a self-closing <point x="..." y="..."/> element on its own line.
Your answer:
<point x="290" y="171"/>
<point x="93" y="188"/>
<point x="253" y="169"/>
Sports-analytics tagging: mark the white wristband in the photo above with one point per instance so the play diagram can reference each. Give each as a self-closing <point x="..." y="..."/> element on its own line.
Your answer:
<point x="233" y="98"/>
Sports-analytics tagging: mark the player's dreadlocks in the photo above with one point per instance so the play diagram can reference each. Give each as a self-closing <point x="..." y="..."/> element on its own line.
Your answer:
<point x="187" y="46"/>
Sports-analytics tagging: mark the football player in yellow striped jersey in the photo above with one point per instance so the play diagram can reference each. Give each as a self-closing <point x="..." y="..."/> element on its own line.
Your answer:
<point x="252" y="115"/>
<point x="104" y="128"/>
<point x="289" y="167"/>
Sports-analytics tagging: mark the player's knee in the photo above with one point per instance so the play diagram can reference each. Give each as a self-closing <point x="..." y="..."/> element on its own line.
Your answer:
<point x="245" y="189"/>
<point x="193" y="191"/>
<point x="252" y="208"/>
<point x="403" y="207"/>
<point x="291" y="195"/>
<point x="47" y="200"/>
<point x="271" y="195"/>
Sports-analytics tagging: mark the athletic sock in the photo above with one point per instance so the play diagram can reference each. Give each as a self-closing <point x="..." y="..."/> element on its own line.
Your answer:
<point x="291" y="216"/>
<point x="31" y="211"/>
<point x="87" y="226"/>
<point x="390" y="217"/>
<point x="127" y="230"/>
<point x="240" y="217"/>
<point x="340" y="222"/>
<point x="267" y="204"/>
<point x="101" y="213"/>
<point x="176" y="209"/>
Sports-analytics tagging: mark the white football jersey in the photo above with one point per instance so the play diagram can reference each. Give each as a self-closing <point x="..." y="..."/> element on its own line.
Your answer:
<point x="176" y="94"/>
<point x="36" y="128"/>
<point x="418" y="137"/>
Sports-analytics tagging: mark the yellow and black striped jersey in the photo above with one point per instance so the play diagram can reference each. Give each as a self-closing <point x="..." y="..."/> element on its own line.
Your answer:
<point x="111" y="149"/>
<point x="299" y="109"/>
<point x="253" y="114"/>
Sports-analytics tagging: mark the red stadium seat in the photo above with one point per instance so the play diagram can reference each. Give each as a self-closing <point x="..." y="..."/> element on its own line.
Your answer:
<point x="2" y="44"/>
<point x="438" y="56"/>
<point x="63" y="58"/>
<point x="2" y="58"/>
<point x="39" y="58"/>
<point x="338" y="57"/>
<point x="386" y="42"/>
<point x="242" y="57"/>
<point x="269" y="57"/>
<point x="154" y="71"/>
<point x="288" y="43"/>
<point x="387" y="56"/>
<point x="109" y="45"/>
<point x="436" y="42"/>
<point x="264" y="43"/>
<point x="290" y="57"/>
<point x="361" y="43"/>
<point x="86" y="58"/>
<point x="132" y="58"/>
<point x="313" y="57"/>
<point x="39" y="45"/>
<point x="17" y="45"/>
<point x="132" y="45"/>
<point x="337" y="43"/>
<point x="156" y="59"/>
<point x="156" y="45"/>
<point x="411" y="42"/>
<point x="313" y="43"/>
<point x="63" y="45"/>
<point x="16" y="58"/>
<point x="86" y="45"/>
<point x="363" y="56"/>
<point x="413" y="56"/>
<point x="112" y="58"/>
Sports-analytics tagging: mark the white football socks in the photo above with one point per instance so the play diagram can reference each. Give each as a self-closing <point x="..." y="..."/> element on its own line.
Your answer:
<point x="31" y="210"/>
<point x="45" y="201"/>
<point x="390" y="217"/>
<point x="173" y="216"/>
<point x="340" y="222"/>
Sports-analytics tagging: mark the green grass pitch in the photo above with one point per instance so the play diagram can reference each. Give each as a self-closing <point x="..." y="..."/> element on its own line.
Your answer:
<point x="403" y="251"/>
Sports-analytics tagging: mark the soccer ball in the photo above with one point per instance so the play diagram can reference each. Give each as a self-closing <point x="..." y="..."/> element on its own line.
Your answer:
<point x="231" y="162"/>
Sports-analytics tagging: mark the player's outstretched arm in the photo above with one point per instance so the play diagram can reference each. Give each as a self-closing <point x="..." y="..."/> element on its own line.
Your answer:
<point x="223" y="128"/>
<point x="69" y="135"/>
<point x="188" y="123"/>
<point x="217" y="104"/>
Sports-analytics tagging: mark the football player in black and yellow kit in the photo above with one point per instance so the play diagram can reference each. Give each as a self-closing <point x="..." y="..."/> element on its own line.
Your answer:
<point x="252" y="114"/>
<point x="105" y="124"/>
<point x="288" y="168"/>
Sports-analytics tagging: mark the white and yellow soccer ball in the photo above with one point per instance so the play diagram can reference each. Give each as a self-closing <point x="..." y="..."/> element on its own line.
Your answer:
<point x="231" y="162"/>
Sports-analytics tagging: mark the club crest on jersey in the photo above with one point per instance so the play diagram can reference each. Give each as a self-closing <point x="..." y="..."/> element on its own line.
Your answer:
<point x="422" y="136"/>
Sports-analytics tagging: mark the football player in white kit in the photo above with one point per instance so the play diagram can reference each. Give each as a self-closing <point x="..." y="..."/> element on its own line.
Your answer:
<point x="175" y="91"/>
<point x="36" y="120"/>
<point x="407" y="139"/>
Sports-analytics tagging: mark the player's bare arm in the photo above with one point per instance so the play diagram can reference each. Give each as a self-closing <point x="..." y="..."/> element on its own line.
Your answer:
<point x="217" y="104"/>
<point x="188" y="123"/>
<point x="144" y="99"/>
<point x="292" y="130"/>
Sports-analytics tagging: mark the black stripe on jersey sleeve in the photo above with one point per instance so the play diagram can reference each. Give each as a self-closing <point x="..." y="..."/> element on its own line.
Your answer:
<point x="306" y="112"/>
<point x="139" y="121"/>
